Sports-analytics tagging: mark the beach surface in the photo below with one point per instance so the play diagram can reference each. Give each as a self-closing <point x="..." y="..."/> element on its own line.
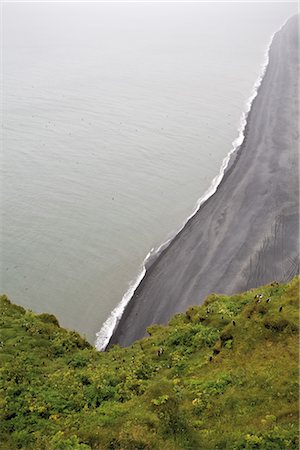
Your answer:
<point x="247" y="233"/>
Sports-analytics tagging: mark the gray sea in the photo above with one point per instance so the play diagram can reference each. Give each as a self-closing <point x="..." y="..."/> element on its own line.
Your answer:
<point x="116" y="118"/>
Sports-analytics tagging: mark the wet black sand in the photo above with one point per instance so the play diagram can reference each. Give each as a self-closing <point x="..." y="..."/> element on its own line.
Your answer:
<point x="247" y="233"/>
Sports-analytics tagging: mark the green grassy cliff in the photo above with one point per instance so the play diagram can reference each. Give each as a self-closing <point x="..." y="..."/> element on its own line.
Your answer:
<point x="222" y="376"/>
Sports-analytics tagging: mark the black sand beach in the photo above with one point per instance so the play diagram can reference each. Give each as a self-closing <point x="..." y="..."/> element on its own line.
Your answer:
<point x="247" y="233"/>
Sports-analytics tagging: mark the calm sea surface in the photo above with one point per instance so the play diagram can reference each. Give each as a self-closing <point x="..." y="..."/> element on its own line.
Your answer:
<point x="116" y="119"/>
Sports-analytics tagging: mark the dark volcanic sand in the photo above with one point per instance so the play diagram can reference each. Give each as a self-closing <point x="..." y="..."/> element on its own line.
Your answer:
<point x="247" y="233"/>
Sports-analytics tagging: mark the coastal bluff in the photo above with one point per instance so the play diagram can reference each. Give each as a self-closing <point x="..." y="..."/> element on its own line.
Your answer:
<point x="223" y="375"/>
<point x="247" y="233"/>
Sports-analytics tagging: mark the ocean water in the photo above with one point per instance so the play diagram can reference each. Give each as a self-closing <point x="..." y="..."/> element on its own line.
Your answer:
<point x="116" y="118"/>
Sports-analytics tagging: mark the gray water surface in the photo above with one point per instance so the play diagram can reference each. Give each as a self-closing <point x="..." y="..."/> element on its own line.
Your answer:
<point x="116" y="118"/>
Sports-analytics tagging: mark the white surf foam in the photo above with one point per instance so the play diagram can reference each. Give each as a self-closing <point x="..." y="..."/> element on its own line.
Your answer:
<point x="103" y="336"/>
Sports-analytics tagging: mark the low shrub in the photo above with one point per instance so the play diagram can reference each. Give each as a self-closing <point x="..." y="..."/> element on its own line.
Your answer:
<point x="48" y="318"/>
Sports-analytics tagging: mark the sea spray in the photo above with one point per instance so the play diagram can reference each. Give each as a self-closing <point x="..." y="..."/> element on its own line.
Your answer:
<point x="109" y="326"/>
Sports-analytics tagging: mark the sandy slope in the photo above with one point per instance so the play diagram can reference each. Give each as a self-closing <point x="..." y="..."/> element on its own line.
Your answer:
<point x="247" y="233"/>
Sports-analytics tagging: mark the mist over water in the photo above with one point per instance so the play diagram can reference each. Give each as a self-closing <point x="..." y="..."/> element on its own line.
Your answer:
<point x="116" y="119"/>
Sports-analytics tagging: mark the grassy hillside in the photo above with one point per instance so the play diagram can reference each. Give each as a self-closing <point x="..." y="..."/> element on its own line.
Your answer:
<point x="222" y="376"/>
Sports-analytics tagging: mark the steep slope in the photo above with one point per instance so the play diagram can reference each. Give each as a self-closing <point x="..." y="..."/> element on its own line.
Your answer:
<point x="223" y="375"/>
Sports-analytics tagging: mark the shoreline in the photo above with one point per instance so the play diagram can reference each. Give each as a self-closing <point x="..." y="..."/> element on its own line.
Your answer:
<point x="129" y="300"/>
<point x="104" y="335"/>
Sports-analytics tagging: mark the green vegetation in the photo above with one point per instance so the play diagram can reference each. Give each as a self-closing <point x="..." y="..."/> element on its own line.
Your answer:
<point x="222" y="376"/>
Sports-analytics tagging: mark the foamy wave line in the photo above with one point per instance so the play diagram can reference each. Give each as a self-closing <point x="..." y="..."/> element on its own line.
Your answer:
<point x="103" y="336"/>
